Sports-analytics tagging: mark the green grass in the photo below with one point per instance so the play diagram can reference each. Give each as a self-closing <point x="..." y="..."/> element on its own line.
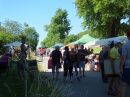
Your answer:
<point x="97" y="50"/>
<point x="13" y="85"/>
<point x="40" y="68"/>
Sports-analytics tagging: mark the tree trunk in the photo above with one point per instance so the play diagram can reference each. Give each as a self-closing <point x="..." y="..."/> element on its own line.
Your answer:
<point x="110" y="27"/>
<point x="113" y="27"/>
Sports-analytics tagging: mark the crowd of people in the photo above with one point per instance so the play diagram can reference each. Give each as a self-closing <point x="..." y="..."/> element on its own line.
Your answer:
<point x="41" y="52"/>
<point x="77" y="58"/>
<point x="74" y="59"/>
<point x="113" y="52"/>
<point x="70" y="58"/>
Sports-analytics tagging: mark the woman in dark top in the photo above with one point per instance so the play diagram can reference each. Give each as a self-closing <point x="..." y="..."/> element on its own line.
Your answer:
<point x="5" y="59"/>
<point x="4" y="62"/>
<point x="56" y="56"/>
<point x="69" y="59"/>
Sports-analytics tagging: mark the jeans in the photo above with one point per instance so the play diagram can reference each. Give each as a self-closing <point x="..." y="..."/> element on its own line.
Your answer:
<point x="55" y="69"/>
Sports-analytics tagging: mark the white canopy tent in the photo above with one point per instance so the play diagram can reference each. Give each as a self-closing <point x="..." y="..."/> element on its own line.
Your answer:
<point x="104" y="41"/>
<point x="16" y="43"/>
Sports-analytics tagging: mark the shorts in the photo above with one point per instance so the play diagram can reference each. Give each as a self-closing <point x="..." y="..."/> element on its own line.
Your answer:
<point x="126" y="75"/>
<point x="82" y="64"/>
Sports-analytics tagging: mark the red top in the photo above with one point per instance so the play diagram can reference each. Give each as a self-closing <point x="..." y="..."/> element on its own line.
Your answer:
<point x="41" y="50"/>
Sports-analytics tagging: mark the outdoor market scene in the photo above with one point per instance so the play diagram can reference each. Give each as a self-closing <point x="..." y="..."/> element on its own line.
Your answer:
<point x="74" y="48"/>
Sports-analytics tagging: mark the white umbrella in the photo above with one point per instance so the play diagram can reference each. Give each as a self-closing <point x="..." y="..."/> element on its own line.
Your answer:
<point x="105" y="41"/>
<point x="16" y="43"/>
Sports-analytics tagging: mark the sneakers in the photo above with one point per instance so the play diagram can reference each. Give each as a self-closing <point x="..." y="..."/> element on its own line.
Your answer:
<point x="63" y="81"/>
<point x="53" y="78"/>
<point x="84" y="76"/>
<point x="71" y="81"/>
<point x="78" y="78"/>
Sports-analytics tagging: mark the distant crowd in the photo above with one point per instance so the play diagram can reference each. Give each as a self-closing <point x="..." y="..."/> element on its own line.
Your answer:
<point x="71" y="58"/>
<point x="74" y="59"/>
<point x="77" y="58"/>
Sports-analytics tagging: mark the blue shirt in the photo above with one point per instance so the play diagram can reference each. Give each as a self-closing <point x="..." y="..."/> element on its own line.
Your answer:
<point x="126" y="51"/>
<point x="120" y="51"/>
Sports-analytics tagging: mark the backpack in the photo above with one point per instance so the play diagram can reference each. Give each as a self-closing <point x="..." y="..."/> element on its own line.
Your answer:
<point x="71" y="56"/>
<point x="70" y="59"/>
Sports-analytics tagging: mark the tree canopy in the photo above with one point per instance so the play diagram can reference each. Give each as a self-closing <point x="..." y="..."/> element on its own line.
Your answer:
<point x="70" y="38"/>
<point x="104" y="16"/>
<point x="11" y="31"/>
<point x="58" y="29"/>
<point x="32" y="37"/>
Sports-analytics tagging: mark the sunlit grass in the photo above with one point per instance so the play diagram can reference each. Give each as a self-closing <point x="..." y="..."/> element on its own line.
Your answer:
<point x="97" y="50"/>
<point x="13" y="85"/>
<point x="39" y="66"/>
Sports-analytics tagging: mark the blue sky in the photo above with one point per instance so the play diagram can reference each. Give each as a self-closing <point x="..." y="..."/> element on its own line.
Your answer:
<point x="38" y="13"/>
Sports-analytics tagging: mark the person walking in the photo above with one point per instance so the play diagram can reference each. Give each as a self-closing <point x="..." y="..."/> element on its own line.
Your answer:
<point x="69" y="60"/>
<point x="56" y="56"/>
<point x="82" y="53"/>
<point x="125" y="62"/>
<point x="114" y="55"/>
<point x="102" y="56"/>
<point x="75" y="64"/>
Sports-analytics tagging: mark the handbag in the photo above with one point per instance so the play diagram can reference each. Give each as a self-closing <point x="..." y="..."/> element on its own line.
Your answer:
<point x="50" y="64"/>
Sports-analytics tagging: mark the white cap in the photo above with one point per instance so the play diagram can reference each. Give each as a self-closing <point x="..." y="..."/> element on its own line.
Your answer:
<point x="117" y="41"/>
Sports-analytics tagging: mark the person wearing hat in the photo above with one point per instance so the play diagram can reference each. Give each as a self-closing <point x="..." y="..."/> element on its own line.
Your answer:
<point x="114" y="55"/>
<point x="125" y="62"/>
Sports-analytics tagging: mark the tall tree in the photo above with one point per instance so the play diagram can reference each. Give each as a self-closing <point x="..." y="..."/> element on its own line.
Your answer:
<point x="70" y="38"/>
<point x="13" y="27"/>
<point x="57" y="29"/>
<point x="5" y="38"/>
<point x="11" y="31"/>
<point x="104" y="16"/>
<point x="32" y="37"/>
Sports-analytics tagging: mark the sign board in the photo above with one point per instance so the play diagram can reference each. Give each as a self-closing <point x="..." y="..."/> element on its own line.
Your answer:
<point x="108" y="68"/>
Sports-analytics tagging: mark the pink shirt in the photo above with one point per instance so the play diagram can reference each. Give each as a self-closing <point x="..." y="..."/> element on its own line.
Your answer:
<point x="4" y="59"/>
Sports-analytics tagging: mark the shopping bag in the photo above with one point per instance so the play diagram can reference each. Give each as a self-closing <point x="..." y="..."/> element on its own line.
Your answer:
<point x="50" y="64"/>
